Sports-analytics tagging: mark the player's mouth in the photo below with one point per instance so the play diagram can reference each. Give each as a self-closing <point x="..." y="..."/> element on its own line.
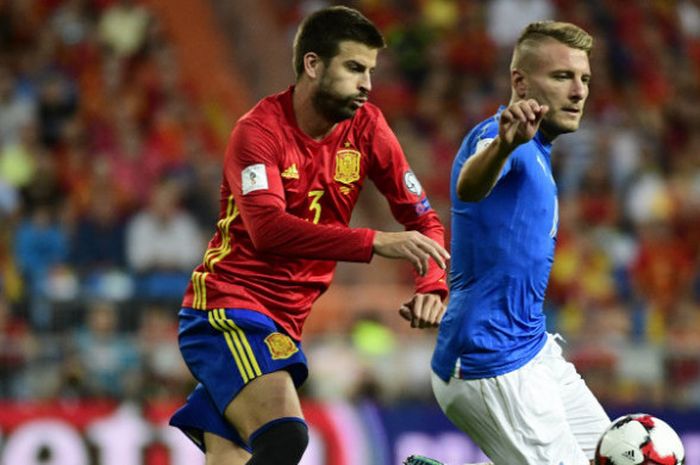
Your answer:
<point x="572" y="110"/>
<point x="359" y="101"/>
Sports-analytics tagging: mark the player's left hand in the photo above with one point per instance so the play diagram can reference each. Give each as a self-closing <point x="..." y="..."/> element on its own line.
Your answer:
<point x="423" y="310"/>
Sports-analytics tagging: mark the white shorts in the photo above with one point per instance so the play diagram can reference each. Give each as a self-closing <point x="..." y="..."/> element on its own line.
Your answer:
<point x="540" y="414"/>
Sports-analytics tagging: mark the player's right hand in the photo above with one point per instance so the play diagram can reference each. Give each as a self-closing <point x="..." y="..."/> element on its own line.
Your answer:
<point x="412" y="246"/>
<point x="423" y="310"/>
<point x="520" y="121"/>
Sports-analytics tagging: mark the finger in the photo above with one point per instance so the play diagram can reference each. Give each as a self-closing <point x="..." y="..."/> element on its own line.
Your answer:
<point x="518" y="113"/>
<point x="435" y="250"/>
<point x="432" y="310"/>
<point x="443" y="251"/>
<point x="441" y="313"/>
<point x="419" y="310"/>
<point x="436" y="311"/>
<point x="419" y="251"/>
<point x="429" y="310"/>
<point x="528" y="109"/>
<point x="508" y="120"/>
<point x="435" y="254"/>
<point x="425" y="261"/>
<point x="438" y="253"/>
<point x="506" y="116"/>
<point x="415" y="259"/>
<point x="405" y="312"/>
<point x="409" y="251"/>
<point x="534" y="105"/>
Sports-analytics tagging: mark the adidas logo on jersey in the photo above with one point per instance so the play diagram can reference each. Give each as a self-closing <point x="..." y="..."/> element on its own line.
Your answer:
<point x="629" y="454"/>
<point x="291" y="173"/>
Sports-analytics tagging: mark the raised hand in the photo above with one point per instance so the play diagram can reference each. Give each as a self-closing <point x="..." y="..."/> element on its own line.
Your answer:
<point x="412" y="246"/>
<point x="520" y="121"/>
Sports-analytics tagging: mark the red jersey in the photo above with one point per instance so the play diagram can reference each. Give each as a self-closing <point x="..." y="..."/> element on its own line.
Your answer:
<point x="286" y="201"/>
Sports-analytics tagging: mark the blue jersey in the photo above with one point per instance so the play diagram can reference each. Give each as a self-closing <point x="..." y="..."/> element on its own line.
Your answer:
<point x="502" y="250"/>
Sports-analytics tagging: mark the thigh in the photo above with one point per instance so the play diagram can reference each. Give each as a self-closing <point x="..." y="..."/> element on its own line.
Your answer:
<point x="228" y="349"/>
<point x="221" y="451"/>
<point x="267" y="398"/>
<point x="584" y="414"/>
<point x="516" y="418"/>
<point x="248" y="370"/>
<point x="469" y="408"/>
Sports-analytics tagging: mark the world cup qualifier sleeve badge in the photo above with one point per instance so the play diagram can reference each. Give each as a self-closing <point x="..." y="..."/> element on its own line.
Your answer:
<point x="347" y="166"/>
<point x="281" y="346"/>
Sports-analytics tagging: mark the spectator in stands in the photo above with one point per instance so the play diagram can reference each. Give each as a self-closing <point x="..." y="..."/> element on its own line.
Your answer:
<point x="15" y="112"/>
<point x="109" y="361"/>
<point x="123" y="27"/>
<point x="17" y="346"/>
<point x="165" y="373"/>
<point x="41" y="247"/>
<point x="98" y="240"/>
<point x="163" y="243"/>
<point x="58" y="102"/>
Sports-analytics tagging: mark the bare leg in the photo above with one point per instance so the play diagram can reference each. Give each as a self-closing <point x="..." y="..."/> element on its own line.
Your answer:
<point x="269" y="397"/>
<point x="221" y="451"/>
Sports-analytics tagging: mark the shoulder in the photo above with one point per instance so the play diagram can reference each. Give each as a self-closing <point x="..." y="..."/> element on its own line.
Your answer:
<point x="369" y="116"/>
<point x="267" y="113"/>
<point x="488" y="128"/>
<point x="370" y="111"/>
<point x="371" y="128"/>
<point x="265" y="123"/>
<point x="481" y="135"/>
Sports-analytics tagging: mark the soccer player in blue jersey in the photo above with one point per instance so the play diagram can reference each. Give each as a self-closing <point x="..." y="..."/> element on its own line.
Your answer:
<point x="497" y="374"/>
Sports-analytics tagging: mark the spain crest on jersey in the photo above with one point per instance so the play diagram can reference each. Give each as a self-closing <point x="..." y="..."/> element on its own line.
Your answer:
<point x="347" y="166"/>
<point x="281" y="346"/>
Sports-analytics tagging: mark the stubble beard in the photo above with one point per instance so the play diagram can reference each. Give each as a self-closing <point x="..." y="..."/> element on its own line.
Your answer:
<point x="553" y="129"/>
<point x="333" y="107"/>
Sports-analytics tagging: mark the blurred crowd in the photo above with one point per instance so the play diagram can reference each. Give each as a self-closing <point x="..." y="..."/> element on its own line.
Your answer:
<point x="110" y="171"/>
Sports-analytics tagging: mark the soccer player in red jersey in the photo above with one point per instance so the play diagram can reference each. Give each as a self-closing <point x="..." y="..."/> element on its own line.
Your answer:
<point x="294" y="167"/>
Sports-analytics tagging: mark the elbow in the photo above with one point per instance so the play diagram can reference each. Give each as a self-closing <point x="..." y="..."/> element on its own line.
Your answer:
<point x="468" y="197"/>
<point x="468" y="190"/>
<point x="261" y="241"/>
<point x="263" y="228"/>
<point x="267" y="236"/>
<point x="468" y="194"/>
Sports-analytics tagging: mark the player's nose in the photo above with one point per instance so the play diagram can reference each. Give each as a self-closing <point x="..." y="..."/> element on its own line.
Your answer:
<point x="579" y="90"/>
<point x="365" y="84"/>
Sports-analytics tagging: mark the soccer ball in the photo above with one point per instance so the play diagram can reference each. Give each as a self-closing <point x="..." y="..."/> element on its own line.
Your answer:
<point x="639" y="439"/>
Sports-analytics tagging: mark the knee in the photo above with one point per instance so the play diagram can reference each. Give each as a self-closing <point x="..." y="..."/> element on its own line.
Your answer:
<point x="279" y="442"/>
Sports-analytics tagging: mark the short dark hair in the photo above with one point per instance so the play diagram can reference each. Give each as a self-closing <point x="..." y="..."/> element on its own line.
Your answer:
<point x="322" y="31"/>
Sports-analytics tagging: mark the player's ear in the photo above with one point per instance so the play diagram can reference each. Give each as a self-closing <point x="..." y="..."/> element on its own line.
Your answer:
<point x="518" y="82"/>
<point x="312" y="64"/>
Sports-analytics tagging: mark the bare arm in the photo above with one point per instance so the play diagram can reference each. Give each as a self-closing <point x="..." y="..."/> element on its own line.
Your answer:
<point x="518" y="124"/>
<point x="481" y="171"/>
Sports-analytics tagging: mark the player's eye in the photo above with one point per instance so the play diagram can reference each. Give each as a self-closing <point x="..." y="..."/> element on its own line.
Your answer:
<point x="356" y="67"/>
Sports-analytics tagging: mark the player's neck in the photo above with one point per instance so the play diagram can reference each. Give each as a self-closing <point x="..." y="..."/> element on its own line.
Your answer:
<point x="310" y="121"/>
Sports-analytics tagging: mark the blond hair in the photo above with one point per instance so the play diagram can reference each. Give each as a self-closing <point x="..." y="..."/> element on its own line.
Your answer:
<point x="538" y="32"/>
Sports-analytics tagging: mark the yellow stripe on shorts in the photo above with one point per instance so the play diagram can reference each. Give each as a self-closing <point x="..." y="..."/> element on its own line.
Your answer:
<point x="238" y="344"/>
<point x="244" y="342"/>
<point x="232" y="348"/>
